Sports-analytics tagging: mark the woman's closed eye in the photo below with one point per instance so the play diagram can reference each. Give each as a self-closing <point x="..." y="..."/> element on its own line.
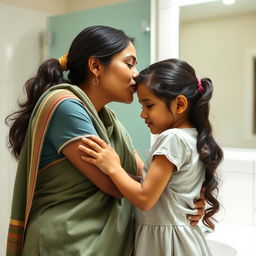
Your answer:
<point x="130" y="65"/>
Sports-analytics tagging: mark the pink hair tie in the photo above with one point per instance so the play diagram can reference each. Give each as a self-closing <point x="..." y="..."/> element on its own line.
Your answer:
<point x="199" y="85"/>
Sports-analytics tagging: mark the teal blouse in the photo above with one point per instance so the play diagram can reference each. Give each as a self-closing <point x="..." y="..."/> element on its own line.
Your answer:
<point x="70" y="120"/>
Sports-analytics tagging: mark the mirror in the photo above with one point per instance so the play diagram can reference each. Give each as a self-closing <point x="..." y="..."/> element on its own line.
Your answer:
<point x="219" y="41"/>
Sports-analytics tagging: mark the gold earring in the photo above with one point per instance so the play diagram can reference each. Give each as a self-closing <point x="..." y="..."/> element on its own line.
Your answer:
<point x="95" y="81"/>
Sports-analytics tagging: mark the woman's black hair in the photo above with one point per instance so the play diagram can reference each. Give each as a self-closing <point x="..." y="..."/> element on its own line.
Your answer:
<point x="102" y="42"/>
<point x="169" y="78"/>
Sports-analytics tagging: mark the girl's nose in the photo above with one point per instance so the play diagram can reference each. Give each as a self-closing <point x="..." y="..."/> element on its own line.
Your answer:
<point x="143" y="114"/>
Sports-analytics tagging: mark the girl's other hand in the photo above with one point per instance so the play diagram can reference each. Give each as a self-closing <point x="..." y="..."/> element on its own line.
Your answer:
<point x="99" y="153"/>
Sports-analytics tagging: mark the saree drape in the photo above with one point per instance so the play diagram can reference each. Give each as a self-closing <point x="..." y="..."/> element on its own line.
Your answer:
<point x="57" y="210"/>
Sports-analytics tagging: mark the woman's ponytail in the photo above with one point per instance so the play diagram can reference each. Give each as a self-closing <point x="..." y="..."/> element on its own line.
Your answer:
<point x="49" y="73"/>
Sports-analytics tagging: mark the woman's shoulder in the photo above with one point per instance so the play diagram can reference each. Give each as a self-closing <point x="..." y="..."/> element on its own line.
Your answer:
<point x="69" y="105"/>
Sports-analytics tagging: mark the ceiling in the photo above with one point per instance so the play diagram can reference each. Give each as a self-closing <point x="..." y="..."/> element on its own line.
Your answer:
<point x="187" y="13"/>
<point x="216" y="9"/>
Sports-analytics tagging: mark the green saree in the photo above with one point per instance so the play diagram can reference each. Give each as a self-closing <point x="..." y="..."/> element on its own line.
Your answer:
<point x="56" y="211"/>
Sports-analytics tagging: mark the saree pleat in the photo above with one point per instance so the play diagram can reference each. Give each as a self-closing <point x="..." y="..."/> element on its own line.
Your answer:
<point x="57" y="210"/>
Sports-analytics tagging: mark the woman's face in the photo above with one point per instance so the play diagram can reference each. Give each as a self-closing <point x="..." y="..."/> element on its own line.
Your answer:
<point x="117" y="79"/>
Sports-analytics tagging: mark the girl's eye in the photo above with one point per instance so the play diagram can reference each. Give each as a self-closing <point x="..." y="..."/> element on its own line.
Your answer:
<point x="149" y="105"/>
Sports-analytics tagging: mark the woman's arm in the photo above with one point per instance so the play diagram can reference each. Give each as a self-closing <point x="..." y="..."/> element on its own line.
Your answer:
<point x="200" y="205"/>
<point x="101" y="180"/>
<point x="71" y="120"/>
<point x="143" y="195"/>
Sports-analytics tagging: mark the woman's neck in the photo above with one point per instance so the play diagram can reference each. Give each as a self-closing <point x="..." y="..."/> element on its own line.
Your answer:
<point x="95" y="95"/>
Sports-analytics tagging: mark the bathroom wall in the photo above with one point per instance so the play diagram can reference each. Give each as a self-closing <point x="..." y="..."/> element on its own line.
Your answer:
<point x="46" y="6"/>
<point x="127" y="16"/>
<point x="76" y="5"/>
<point x="237" y="192"/>
<point x="218" y="48"/>
<point x="20" y="53"/>
<point x="60" y="6"/>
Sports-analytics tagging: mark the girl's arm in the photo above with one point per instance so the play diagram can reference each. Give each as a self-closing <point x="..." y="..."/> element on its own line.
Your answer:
<point x="143" y="195"/>
<point x="101" y="180"/>
<point x="139" y="162"/>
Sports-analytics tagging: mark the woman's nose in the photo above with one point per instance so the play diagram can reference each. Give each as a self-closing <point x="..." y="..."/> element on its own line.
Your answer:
<point x="135" y="72"/>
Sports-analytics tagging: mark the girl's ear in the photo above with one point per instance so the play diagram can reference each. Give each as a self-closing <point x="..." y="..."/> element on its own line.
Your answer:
<point x="94" y="66"/>
<point x="181" y="104"/>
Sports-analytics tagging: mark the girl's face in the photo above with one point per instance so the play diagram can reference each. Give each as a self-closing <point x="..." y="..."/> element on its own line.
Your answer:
<point x="117" y="79"/>
<point x="154" y="111"/>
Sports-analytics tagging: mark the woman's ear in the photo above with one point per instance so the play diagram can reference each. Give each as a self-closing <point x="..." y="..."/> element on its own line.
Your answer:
<point x="181" y="104"/>
<point x="94" y="66"/>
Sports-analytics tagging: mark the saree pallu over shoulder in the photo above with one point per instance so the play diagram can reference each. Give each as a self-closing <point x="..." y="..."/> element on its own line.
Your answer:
<point x="28" y="168"/>
<point x="71" y="215"/>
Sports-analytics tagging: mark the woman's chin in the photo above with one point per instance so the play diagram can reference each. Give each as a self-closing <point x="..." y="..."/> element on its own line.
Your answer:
<point x="128" y="100"/>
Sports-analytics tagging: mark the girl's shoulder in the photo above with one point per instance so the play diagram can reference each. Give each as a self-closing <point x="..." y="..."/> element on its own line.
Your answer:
<point x="175" y="145"/>
<point x="182" y="133"/>
<point x="184" y="139"/>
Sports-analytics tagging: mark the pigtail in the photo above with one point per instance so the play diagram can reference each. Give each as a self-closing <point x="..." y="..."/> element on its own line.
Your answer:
<point x="209" y="151"/>
<point x="49" y="73"/>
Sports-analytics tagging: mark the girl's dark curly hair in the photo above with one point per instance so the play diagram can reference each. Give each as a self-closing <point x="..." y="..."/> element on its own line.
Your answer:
<point x="169" y="78"/>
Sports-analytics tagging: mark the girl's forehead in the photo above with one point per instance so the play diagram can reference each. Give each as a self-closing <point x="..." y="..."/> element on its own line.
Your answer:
<point x="144" y="92"/>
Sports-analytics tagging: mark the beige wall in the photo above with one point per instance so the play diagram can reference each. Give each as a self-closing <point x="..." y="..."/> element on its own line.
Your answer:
<point x="47" y="6"/>
<point x="217" y="48"/>
<point x="60" y="6"/>
<point x="76" y="5"/>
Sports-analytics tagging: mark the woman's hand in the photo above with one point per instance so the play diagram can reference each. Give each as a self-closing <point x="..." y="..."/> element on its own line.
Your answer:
<point x="99" y="153"/>
<point x="200" y="206"/>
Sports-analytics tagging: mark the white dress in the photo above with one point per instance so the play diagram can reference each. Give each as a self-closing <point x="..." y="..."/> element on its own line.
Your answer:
<point x="164" y="230"/>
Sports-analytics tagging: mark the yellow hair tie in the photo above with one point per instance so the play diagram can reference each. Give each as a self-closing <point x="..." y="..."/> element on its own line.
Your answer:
<point x="63" y="62"/>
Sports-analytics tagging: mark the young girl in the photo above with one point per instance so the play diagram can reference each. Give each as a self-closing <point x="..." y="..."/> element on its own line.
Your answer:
<point x="175" y="105"/>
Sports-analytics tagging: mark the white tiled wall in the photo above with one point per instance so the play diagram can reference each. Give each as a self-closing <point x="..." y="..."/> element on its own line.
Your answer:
<point x="20" y="54"/>
<point x="238" y="186"/>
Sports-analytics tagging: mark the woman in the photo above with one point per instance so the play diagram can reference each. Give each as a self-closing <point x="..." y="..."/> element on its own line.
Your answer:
<point x="62" y="206"/>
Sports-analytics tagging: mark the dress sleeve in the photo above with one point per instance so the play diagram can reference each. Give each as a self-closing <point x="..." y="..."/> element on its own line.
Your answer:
<point x="69" y="123"/>
<point x="173" y="147"/>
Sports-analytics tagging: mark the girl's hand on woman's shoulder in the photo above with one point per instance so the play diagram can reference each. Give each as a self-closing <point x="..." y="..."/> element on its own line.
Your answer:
<point x="99" y="153"/>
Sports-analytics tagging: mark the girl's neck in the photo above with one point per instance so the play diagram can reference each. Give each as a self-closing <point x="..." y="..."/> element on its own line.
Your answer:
<point x="182" y="124"/>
